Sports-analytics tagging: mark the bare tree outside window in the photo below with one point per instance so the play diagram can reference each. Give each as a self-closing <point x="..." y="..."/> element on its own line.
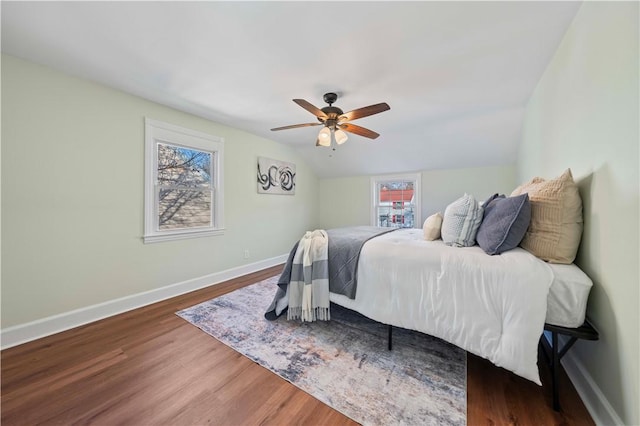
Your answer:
<point x="184" y="188"/>
<point x="183" y="183"/>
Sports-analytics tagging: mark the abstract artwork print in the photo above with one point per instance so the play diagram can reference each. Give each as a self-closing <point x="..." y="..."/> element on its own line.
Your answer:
<point x="276" y="177"/>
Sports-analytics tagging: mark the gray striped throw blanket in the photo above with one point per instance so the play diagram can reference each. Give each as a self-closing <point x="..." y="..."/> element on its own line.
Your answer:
<point x="343" y="252"/>
<point x="308" y="290"/>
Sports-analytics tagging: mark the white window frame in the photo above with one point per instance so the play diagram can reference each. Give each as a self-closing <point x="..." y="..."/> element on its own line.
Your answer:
<point x="158" y="132"/>
<point x="415" y="177"/>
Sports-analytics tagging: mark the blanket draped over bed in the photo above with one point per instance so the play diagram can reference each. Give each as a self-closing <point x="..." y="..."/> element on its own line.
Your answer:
<point x="492" y="306"/>
<point x="343" y="252"/>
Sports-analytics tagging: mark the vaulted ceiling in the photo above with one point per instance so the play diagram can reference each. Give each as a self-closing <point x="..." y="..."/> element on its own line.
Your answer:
<point x="457" y="75"/>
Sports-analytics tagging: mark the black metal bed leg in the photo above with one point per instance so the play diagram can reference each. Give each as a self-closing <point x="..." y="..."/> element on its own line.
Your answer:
<point x="390" y="328"/>
<point x="555" y="364"/>
<point x="555" y="353"/>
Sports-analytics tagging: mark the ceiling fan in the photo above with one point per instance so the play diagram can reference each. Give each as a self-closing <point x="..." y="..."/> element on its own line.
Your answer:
<point x="336" y="122"/>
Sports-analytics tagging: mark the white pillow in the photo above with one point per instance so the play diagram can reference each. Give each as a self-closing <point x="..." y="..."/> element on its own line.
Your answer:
<point x="461" y="221"/>
<point x="432" y="227"/>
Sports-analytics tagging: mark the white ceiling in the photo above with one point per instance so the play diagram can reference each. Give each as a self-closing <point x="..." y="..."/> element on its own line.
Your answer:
<point x="457" y="75"/>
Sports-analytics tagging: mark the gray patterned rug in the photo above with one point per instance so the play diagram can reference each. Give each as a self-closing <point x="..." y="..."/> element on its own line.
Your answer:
<point x="344" y="362"/>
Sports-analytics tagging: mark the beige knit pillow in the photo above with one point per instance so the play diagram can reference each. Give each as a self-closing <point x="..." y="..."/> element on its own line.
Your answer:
<point x="432" y="227"/>
<point x="556" y="218"/>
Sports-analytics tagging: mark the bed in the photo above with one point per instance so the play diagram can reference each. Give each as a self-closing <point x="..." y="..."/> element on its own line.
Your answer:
<point x="493" y="299"/>
<point x="493" y="306"/>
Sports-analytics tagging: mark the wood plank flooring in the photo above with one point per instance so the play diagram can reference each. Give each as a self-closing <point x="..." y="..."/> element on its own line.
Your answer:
<point x="150" y="367"/>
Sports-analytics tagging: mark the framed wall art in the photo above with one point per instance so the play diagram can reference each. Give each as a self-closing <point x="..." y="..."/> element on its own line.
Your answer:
<point x="276" y="177"/>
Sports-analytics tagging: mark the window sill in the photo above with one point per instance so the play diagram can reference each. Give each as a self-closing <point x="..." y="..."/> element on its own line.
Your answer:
<point x="182" y="235"/>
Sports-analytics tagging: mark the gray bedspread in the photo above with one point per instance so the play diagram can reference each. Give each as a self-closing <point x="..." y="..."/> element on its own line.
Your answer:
<point x="344" y="249"/>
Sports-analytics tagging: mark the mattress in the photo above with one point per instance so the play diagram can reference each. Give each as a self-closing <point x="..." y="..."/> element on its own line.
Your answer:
<point x="568" y="294"/>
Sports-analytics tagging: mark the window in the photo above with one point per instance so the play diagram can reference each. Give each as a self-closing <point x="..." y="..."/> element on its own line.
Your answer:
<point x="396" y="201"/>
<point x="183" y="183"/>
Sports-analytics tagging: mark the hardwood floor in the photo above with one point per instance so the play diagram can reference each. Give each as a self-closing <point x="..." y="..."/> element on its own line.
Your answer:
<point x="150" y="367"/>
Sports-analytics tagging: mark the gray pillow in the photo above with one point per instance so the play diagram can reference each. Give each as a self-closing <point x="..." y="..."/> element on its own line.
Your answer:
<point x="504" y="224"/>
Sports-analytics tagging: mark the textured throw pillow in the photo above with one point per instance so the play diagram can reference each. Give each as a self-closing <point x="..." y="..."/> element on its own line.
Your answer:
<point x="432" y="227"/>
<point x="556" y="218"/>
<point x="504" y="223"/>
<point x="461" y="221"/>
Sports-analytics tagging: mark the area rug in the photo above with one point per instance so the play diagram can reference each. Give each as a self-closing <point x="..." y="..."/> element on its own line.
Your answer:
<point x="344" y="362"/>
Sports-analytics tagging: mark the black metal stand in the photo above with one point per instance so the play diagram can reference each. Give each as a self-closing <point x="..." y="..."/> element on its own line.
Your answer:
<point x="554" y="353"/>
<point x="390" y="328"/>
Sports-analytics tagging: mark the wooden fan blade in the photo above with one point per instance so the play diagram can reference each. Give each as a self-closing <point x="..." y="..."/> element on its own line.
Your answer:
<point x="364" y="112"/>
<point x="352" y="128"/>
<point x="312" y="109"/>
<point x="295" y="126"/>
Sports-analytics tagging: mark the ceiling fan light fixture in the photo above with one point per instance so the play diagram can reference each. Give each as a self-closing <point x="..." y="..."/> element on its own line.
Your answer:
<point x="324" y="137"/>
<point x="335" y="122"/>
<point x="341" y="137"/>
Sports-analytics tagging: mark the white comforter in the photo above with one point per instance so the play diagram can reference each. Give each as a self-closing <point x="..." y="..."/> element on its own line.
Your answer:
<point x="492" y="306"/>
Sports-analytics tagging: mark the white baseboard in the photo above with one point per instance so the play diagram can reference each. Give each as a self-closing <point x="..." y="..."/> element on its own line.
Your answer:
<point x="23" y="333"/>
<point x="596" y="402"/>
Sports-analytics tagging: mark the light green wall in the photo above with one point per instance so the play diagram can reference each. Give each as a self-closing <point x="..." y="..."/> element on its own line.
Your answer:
<point x="347" y="201"/>
<point x="441" y="187"/>
<point x="72" y="197"/>
<point x="344" y="202"/>
<point x="584" y="115"/>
